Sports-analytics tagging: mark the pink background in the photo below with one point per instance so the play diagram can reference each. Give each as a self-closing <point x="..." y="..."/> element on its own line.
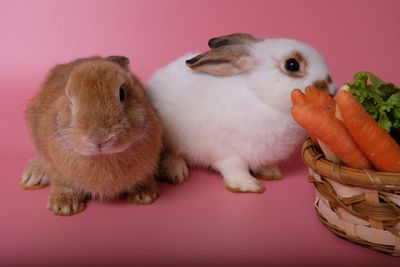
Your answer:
<point x="198" y="222"/>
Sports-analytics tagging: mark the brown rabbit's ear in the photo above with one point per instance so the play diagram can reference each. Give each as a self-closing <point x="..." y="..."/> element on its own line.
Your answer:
<point x="120" y="60"/>
<point x="231" y="39"/>
<point x="223" y="61"/>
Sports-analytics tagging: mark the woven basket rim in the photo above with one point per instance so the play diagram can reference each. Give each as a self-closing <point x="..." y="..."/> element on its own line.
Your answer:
<point x="370" y="179"/>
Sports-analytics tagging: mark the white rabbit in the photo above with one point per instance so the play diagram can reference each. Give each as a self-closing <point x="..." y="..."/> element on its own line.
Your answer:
<point x="229" y="108"/>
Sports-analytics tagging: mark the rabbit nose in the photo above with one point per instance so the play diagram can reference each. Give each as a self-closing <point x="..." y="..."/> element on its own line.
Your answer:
<point x="326" y="85"/>
<point x="97" y="140"/>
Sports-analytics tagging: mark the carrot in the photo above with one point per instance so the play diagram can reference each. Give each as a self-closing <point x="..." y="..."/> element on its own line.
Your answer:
<point x="381" y="149"/>
<point x="298" y="97"/>
<point x="325" y="127"/>
<point x="318" y="98"/>
<point x="313" y="97"/>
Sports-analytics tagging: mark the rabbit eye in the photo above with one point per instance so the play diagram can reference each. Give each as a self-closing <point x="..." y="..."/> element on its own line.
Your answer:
<point x="122" y="94"/>
<point x="292" y="65"/>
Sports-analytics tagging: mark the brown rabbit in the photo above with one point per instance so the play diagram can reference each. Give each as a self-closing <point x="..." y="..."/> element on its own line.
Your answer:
<point x="96" y="135"/>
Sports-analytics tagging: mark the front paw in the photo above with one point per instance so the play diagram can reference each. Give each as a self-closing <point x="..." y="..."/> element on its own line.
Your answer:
<point x="144" y="194"/>
<point x="34" y="176"/>
<point x="173" y="169"/>
<point x="244" y="185"/>
<point x="65" y="203"/>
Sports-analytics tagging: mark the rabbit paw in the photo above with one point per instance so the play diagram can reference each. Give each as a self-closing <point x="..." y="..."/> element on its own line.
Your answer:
<point x="34" y="176"/>
<point x="144" y="194"/>
<point x="173" y="169"/>
<point x="269" y="172"/>
<point x="65" y="203"/>
<point x="244" y="185"/>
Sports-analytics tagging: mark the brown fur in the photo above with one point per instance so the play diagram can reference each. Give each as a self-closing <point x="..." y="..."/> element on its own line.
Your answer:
<point x="233" y="39"/>
<point x="323" y="84"/>
<point x="328" y="79"/>
<point x="224" y="60"/>
<point x="228" y="55"/>
<point x="303" y="65"/>
<point x="80" y="101"/>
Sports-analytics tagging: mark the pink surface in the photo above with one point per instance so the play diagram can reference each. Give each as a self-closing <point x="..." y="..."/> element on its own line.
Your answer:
<point x="198" y="222"/>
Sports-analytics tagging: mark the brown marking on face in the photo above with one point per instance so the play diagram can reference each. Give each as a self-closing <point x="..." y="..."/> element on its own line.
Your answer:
<point x="328" y="79"/>
<point x="302" y="61"/>
<point x="297" y="55"/>
<point x="321" y="84"/>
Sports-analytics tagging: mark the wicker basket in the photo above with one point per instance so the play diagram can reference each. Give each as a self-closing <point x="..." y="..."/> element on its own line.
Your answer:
<point x="358" y="205"/>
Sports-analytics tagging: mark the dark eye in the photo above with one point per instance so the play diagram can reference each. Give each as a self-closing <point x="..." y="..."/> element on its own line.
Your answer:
<point x="292" y="65"/>
<point x="122" y="93"/>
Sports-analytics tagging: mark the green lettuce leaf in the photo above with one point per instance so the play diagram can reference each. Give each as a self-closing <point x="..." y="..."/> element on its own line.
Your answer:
<point x="380" y="99"/>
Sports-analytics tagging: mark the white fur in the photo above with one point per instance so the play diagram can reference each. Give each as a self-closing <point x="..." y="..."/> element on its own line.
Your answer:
<point x="234" y="123"/>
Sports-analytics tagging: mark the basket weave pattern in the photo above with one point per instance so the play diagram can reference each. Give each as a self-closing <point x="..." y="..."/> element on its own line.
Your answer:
<point x="362" y="206"/>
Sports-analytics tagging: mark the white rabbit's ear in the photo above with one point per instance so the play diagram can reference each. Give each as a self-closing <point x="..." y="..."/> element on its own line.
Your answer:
<point x="224" y="60"/>
<point x="232" y="39"/>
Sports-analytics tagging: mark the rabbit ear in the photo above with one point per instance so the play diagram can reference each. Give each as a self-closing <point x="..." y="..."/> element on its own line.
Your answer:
<point x="223" y="61"/>
<point x="120" y="60"/>
<point x="231" y="39"/>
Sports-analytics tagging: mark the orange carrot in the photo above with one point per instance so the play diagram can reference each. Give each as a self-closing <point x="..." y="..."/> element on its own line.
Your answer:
<point x="313" y="97"/>
<point x="381" y="149"/>
<point x="328" y="129"/>
<point x="318" y="98"/>
<point x="298" y="97"/>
